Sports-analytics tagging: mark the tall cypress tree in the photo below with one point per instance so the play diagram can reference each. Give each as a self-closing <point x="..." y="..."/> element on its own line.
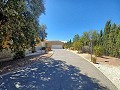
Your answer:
<point x="106" y="37"/>
<point x="116" y="51"/>
<point x="101" y="38"/>
<point x="111" y="40"/>
<point x="76" y="38"/>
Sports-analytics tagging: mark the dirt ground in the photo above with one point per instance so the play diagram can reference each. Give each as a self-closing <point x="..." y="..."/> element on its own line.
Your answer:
<point x="104" y="59"/>
<point x="8" y="66"/>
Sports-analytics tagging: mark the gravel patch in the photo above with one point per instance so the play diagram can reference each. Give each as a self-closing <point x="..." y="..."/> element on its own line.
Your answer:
<point x="111" y="72"/>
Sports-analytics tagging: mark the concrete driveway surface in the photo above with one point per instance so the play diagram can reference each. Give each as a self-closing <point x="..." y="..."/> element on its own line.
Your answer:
<point x="63" y="71"/>
<point x="85" y="68"/>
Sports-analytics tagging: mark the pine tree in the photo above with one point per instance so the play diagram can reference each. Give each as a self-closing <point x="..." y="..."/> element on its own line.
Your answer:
<point x="106" y="37"/>
<point x="111" y="40"/>
<point x="101" y="38"/>
<point x="76" y="38"/>
<point x="95" y="38"/>
<point x="116" y="51"/>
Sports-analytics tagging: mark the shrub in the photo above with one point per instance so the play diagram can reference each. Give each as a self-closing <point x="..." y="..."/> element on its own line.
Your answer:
<point x="66" y="46"/>
<point x="72" y="48"/>
<point x="98" y="51"/>
<point x="19" y="55"/>
<point x="94" y="59"/>
<point x="5" y="53"/>
<point x="77" y="45"/>
<point x="85" y="49"/>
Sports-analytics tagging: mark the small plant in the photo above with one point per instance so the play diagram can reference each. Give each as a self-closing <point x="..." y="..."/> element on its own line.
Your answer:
<point x="85" y="49"/>
<point x="94" y="59"/>
<point x="72" y="48"/>
<point x="98" y="51"/>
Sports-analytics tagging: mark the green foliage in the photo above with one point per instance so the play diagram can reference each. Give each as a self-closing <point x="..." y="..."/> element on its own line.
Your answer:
<point x="110" y="39"/>
<point x="76" y="38"/>
<point x="98" y="51"/>
<point x="65" y="46"/>
<point x="68" y="44"/>
<point x="95" y="38"/>
<point x="85" y="49"/>
<point x="105" y="43"/>
<point x="106" y="37"/>
<point x="72" y="48"/>
<point x="19" y="55"/>
<point x="94" y="59"/>
<point x="19" y="23"/>
<point x="100" y="37"/>
<point x="42" y="31"/>
<point x="85" y="38"/>
<point x="77" y="45"/>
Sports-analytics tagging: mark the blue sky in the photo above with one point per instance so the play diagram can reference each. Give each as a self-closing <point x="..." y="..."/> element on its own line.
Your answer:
<point x="65" y="18"/>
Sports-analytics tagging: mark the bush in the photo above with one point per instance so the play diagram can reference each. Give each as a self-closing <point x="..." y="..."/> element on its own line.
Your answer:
<point x="5" y="53"/>
<point x="77" y="45"/>
<point x="19" y="55"/>
<point x="94" y="59"/>
<point x="85" y="49"/>
<point x="72" y="48"/>
<point x="98" y="51"/>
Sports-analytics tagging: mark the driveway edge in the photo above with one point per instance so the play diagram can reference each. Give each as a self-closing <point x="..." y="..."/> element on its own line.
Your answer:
<point x="96" y="68"/>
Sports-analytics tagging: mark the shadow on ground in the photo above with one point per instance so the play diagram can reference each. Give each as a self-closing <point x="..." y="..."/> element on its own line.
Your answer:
<point x="12" y="65"/>
<point x="49" y="75"/>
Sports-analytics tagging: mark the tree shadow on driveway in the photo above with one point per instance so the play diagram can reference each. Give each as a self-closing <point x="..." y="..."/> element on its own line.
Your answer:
<point x="49" y="75"/>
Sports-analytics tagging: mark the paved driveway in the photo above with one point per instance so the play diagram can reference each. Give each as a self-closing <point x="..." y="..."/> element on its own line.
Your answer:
<point x="63" y="71"/>
<point x="85" y="68"/>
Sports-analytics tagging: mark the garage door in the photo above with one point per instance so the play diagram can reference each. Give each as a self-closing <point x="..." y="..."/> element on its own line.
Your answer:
<point x="57" y="47"/>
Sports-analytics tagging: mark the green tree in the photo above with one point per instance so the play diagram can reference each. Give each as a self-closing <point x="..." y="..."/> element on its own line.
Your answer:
<point x="76" y="38"/>
<point x="20" y="25"/>
<point x="116" y="51"/>
<point x="104" y="43"/>
<point x="98" y="51"/>
<point x="68" y="44"/>
<point x="77" y="45"/>
<point x="111" y="40"/>
<point x="106" y="37"/>
<point x="85" y="38"/>
<point x="100" y="38"/>
<point x="42" y="31"/>
<point x="95" y="38"/>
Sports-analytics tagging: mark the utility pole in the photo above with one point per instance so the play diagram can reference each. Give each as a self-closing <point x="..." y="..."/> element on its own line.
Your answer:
<point x="91" y="48"/>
